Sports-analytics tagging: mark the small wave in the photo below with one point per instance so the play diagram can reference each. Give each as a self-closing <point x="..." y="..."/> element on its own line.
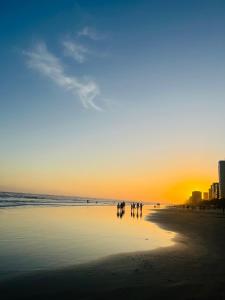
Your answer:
<point x="8" y="199"/>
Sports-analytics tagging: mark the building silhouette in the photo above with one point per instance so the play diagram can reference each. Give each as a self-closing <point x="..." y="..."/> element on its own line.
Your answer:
<point x="222" y="179"/>
<point x="205" y="196"/>
<point x="210" y="193"/>
<point x="215" y="190"/>
<point x="196" y="197"/>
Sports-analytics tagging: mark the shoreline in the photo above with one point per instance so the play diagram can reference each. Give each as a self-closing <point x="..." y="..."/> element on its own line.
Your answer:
<point x="193" y="268"/>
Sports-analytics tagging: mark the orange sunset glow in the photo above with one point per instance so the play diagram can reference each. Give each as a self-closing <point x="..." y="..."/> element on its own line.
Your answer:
<point x="169" y="183"/>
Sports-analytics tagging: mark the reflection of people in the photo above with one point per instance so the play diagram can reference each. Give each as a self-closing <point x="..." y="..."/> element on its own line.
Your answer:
<point x="121" y="209"/>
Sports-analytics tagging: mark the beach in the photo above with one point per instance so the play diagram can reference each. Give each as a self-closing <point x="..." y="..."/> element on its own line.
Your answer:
<point x="192" y="268"/>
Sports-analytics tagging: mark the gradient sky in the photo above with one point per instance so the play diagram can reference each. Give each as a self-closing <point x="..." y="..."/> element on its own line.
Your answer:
<point x="116" y="99"/>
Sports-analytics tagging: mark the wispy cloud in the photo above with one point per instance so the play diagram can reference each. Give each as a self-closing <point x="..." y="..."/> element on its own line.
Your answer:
<point x="42" y="60"/>
<point x="91" y="33"/>
<point x="75" y="50"/>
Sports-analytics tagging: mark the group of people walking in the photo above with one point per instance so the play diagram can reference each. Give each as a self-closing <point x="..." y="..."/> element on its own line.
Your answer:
<point x="136" y="206"/>
<point x="136" y="209"/>
<point x="121" y="209"/>
<point x="121" y="205"/>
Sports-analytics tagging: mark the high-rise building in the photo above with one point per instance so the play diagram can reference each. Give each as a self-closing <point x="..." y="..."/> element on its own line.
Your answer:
<point x="222" y="178"/>
<point x="196" y="197"/>
<point x="210" y="193"/>
<point x="215" y="190"/>
<point x="205" y="196"/>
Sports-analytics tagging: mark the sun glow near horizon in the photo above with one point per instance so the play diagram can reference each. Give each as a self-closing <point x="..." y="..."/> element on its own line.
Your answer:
<point x="172" y="186"/>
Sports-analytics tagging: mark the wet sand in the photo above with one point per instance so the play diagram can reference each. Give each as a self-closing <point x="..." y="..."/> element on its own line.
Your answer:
<point x="194" y="268"/>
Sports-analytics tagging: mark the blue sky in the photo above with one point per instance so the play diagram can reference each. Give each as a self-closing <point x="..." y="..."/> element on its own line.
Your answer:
<point x="90" y="88"/>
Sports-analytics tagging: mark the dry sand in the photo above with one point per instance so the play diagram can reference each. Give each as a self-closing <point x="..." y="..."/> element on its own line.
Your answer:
<point x="194" y="268"/>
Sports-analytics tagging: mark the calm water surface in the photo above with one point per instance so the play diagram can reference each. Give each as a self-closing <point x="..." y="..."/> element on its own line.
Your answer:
<point x="38" y="238"/>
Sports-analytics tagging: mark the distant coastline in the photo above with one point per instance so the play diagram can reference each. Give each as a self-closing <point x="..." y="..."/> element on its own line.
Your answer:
<point x="8" y="199"/>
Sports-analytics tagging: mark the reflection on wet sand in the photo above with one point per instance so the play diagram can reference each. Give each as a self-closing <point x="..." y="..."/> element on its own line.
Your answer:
<point x="136" y="214"/>
<point x="46" y="237"/>
<point x="120" y="212"/>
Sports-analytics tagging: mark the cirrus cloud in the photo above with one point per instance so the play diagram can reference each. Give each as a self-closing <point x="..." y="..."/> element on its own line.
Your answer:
<point x="46" y="63"/>
<point x="75" y="50"/>
<point x="90" y="33"/>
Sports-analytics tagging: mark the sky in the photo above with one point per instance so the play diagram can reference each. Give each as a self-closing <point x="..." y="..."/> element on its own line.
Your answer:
<point x="112" y="99"/>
